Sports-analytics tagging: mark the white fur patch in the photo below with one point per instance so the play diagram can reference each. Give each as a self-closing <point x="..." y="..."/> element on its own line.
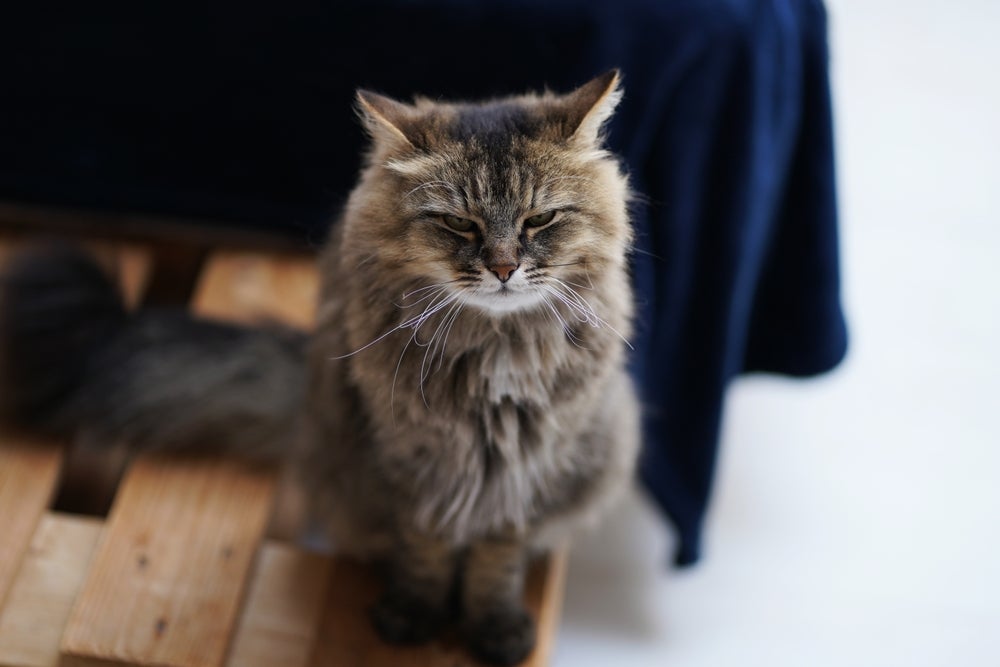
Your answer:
<point x="498" y="298"/>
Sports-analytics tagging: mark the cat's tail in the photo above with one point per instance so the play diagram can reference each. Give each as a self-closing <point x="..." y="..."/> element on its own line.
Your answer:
<point x="72" y="357"/>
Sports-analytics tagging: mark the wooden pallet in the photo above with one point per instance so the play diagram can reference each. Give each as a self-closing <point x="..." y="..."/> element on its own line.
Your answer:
<point x="182" y="571"/>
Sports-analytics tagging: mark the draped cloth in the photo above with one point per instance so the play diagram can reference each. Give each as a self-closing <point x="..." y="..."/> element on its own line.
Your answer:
<point x="240" y="114"/>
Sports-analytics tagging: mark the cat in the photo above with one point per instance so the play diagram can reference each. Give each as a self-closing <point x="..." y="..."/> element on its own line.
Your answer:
<point x="463" y="403"/>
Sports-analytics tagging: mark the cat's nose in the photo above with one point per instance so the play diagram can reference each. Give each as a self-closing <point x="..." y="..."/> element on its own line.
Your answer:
<point x="504" y="271"/>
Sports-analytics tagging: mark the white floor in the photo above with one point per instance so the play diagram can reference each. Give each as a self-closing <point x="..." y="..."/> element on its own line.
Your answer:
<point x="857" y="517"/>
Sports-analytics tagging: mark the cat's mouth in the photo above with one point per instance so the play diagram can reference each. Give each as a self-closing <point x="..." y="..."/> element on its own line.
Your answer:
<point x="502" y="299"/>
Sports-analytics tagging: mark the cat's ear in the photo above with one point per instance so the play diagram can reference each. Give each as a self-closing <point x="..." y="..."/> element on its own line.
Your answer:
<point x="588" y="107"/>
<point x="386" y="119"/>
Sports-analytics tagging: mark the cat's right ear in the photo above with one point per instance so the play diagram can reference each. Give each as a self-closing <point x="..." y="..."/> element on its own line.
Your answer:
<point x="386" y="120"/>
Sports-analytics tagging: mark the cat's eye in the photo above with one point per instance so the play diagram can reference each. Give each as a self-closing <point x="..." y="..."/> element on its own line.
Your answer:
<point x="539" y="220"/>
<point x="457" y="223"/>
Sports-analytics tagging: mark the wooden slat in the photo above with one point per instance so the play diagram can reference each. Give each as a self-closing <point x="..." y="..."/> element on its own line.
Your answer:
<point x="280" y="625"/>
<point x="28" y="475"/>
<point x="245" y="286"/>
<point x="168" y="577"/>
<point x="544" y="595"/>
<point x="277" y="628"/>
<point x="40" y="600"/>
<point x="130" y="264"/>
<point x="252" y="287"/>
<point x="283" y="608"/>
<point x="347" y="638"/>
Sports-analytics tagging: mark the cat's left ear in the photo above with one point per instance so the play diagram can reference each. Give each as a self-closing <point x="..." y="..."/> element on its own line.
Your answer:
<point x="590" y="106"/>
<point x="386" y="120"/>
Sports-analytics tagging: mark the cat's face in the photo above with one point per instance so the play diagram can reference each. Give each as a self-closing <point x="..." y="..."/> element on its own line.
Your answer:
<point x="505" y="206"/>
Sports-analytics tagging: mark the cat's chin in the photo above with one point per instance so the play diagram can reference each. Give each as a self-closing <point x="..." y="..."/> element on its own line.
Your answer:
<point x="503" y="302"/>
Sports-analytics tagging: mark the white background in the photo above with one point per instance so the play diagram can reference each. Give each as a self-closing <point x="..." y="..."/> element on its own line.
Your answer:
<point x="856" y="519"/>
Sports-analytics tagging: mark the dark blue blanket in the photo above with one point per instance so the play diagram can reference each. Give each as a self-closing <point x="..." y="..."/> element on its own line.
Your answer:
<point x="242" y="114"/>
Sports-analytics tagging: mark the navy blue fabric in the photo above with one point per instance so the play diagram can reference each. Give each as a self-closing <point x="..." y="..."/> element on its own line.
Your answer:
<point x="242" y="114"/>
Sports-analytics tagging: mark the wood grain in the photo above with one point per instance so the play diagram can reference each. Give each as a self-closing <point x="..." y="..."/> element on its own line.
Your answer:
<point x="28" y="474"/>
<point x="41" y="598"/>
<point x="283" y="609"/>
<point x="168" y="578"/>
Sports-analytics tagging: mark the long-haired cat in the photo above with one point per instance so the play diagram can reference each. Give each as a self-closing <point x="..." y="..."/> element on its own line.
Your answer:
<point x="463" y="402"/>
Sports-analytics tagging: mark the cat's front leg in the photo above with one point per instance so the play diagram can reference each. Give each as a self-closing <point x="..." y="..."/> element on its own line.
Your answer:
<point x="416" y="602"/>
<point x="497" y="627"/>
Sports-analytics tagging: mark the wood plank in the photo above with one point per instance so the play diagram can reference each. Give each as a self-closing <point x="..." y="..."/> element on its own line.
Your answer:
<point x="130" y="264"/>
<point x="40" y="600"/>
<point x="250" y="287"/>
<point x="544" y="594"/>
<point x="277" y="628"/>
<point x="28" y="474"/>
<point x="347" y="638"/>
<point x="167" y="580"/>
<point x="280" y="623"/>
<point x="253" y="287"/>
<point x="283" y="609"/>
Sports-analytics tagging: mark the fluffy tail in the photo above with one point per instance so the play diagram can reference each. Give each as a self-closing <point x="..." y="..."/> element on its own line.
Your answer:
<point x="72" y="357"/>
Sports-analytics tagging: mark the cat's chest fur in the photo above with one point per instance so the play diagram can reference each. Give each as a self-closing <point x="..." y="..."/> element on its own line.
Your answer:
<point x="489" y="443"/>
<point x="519" y="370"/>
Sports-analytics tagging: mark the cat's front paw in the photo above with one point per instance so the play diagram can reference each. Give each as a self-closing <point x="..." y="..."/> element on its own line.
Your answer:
<point x="404" y="619"/>
<point x="504" y="637"/>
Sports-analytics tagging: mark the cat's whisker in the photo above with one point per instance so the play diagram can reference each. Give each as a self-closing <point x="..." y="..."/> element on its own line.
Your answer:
<point x="414" y="322"/>
<point x="553" y="266"/>
<point x="562" y="323"/>
<point x="415" y="338"/>
<point x="602" y="322"/>
<point x="581" y="313"/>
<point x="584" y="309"/>
<point x="433" y="307"/>
<point x="447" y="332"/>
<point x="558" y="318"/>
<point x="431" y="350"/>
<point x="575" y="296"/>
<point x="395" y="375"/>
<point x="422" y="299"/>
<point x="570" y="282"/>
<point x="407" y="295"/>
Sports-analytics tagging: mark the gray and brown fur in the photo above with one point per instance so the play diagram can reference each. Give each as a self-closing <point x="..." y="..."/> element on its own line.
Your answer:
<point x="464" y="401"/>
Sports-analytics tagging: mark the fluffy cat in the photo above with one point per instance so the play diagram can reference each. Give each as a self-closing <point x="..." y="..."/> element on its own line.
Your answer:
<point x="463" y="402"/>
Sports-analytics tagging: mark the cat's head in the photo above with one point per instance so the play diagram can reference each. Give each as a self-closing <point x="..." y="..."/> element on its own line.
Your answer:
<point x="504" y="204"/>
